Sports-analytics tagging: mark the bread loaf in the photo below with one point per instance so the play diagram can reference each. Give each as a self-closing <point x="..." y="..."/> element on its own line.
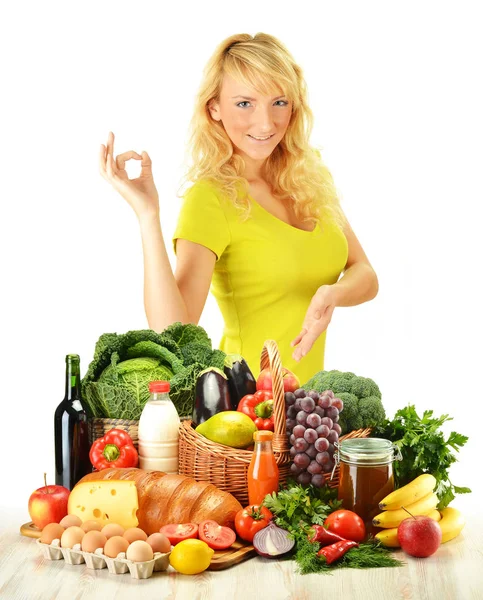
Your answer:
<point x="165" y="499"/>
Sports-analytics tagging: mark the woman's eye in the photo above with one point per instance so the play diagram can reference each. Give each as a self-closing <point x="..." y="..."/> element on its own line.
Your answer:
<point x="284" y="103"/>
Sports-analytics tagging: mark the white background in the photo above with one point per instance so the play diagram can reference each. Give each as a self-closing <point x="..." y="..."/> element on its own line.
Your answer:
<point x="395" y="89"/>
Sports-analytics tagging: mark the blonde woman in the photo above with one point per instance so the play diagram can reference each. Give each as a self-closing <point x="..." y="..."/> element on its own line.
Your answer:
<point x="261" y="222"/>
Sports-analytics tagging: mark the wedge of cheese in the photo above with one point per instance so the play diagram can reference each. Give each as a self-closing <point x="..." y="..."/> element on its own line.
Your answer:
<point x="105" y="502"/>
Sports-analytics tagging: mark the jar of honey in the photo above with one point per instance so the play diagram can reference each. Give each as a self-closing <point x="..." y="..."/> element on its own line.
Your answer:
<point x="366" y="475"/>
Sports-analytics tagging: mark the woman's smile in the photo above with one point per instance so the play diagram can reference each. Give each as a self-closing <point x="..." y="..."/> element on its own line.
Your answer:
<point x="261" y="140"/>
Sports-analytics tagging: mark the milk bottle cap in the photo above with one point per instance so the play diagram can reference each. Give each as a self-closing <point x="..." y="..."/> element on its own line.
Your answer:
<point x="158" y="387"/>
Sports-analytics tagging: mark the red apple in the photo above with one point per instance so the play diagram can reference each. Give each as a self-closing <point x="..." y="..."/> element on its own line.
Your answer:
<point x="290" y="381"/>
<point x="48" y="504"/>
<point x="419" y="536"/>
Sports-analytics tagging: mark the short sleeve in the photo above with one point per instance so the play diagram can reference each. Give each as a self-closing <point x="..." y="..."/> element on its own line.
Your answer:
<point x="202" y="219"/>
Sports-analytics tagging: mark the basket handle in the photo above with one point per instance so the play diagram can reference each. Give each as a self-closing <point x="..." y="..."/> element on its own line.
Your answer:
<point x="270" y="358"/>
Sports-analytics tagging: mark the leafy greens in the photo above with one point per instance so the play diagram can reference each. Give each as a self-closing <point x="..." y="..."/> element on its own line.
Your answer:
<point x="424" y="450"/>
<point x="116" y="383"/>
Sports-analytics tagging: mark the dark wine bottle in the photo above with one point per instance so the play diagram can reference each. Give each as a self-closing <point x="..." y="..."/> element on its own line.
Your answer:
<point x="71" y="429"/>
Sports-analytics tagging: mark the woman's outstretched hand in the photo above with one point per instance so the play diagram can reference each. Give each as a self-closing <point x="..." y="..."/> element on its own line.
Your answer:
<point x="316" y="321"/>
<point x="140" y="193"/>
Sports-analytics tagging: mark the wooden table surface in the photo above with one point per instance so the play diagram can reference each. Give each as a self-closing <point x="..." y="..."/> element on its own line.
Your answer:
<point x="455" y="572"/>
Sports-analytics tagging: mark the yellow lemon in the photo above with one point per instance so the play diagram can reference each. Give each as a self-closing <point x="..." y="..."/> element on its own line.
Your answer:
<point x="191" y="556"/>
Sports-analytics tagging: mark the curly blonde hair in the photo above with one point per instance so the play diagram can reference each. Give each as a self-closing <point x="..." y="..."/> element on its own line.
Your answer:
<point x="294" y="170"/>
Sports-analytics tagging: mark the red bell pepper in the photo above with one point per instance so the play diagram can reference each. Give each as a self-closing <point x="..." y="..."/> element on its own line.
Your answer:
<point x="115" y="449"/>
<point x="336" y="551"/>
<point x="259" y="407"/>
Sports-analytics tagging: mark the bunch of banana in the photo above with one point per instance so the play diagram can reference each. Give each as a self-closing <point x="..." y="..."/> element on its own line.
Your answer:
<point x="418" y="498"/>
<point x="416" y="489"/>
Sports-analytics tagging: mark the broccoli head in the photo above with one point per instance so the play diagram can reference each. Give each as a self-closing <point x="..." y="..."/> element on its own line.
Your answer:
<point x="363" y="387"/>
<point x="361" y="397"/>
<point x="340" y="382"/>
<point x="340" y="386"/>
<point x="372" y="411"/>
<point x="349" y="418"/>
<point x="351" y="406"/>
<point x="329" y="380"/>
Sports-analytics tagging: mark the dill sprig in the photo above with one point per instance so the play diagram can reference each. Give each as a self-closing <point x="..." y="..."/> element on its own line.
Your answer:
<point x="366" y="556"/>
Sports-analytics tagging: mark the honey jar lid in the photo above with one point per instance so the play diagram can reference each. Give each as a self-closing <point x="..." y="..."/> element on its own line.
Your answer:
<point x="367" y="451"/>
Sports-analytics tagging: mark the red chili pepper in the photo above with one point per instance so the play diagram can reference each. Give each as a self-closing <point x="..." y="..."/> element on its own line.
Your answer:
<point x="319" y="533"/>
<point x="259" y="407"/>
<point x="336" y="551"/>
<point x="115" y="449"/>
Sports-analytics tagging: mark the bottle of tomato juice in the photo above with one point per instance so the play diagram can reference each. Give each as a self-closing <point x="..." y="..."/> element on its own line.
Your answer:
<point x="263" y="474"/>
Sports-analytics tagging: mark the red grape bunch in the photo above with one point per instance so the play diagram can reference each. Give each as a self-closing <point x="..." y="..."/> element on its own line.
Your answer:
<point x="312" y="423"/>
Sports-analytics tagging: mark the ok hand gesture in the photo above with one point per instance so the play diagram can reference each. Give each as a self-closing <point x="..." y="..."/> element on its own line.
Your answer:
<point x="141" y="192"/>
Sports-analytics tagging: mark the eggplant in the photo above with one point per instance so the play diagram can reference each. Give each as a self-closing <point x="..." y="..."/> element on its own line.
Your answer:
<point x="240" y="379"/>
<point x="212" y="395"/>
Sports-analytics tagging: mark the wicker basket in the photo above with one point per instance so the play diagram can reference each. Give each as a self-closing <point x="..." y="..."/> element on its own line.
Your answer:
<point x="227" y="467"/>
<point x="98" y="427"/>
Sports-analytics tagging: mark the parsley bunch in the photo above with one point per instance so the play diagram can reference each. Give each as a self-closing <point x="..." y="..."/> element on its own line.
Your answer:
<point x="297" y="508"/>
<point x="424" y="450"/>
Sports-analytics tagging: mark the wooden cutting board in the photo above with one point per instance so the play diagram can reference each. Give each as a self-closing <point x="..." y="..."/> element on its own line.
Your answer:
<point x="236" y="553"/>
<point x="222" y="559"/>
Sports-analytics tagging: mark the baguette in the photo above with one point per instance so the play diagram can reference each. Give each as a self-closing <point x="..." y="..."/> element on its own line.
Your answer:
<point x="165" y="499"/>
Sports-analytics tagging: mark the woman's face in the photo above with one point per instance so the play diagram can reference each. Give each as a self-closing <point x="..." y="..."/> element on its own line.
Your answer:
<point x="247" y="115"/>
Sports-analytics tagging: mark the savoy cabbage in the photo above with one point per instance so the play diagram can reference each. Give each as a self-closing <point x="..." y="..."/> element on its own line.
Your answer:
<point x="116" y="383"/>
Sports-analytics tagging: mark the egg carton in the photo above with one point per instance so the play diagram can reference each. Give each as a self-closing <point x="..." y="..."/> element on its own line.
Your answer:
<point x="98" y="560"/>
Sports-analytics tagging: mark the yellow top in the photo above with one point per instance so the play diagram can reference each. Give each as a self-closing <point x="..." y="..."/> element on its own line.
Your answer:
<point x="265" y="276"/>
<point x="263" y="436"/>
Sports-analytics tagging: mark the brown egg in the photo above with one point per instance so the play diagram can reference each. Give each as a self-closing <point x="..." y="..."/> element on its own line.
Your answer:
<point x="134" y="533"/>
<point x="139" y="551"/>
<point x="112" y="529"/>
<point x="159" y="543"/>
<point x="51" y="532"/>
<point x="70" y="520"/>
<point x="114" y="545"/>
<point x="92" y="540"/>
<point x="72" y="536"/>
<point x="91" y="526"/>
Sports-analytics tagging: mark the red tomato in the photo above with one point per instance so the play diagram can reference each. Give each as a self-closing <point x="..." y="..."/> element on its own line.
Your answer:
<point x="178" y="533"/>
<point x="347" y="524"/>
<point x="251" y="519"/>
<point x="216" y="536"/>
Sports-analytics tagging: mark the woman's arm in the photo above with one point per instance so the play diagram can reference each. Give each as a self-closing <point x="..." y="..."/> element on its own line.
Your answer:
<point x="163" y="302"/>
<point x="358" y="284"/>
<point x="167" y="297"/>
<point x="181" y="297"/>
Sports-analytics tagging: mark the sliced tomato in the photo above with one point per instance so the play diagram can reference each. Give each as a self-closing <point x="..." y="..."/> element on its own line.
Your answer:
<point x="178" y="533"/>
<point x="216" y="536"/>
